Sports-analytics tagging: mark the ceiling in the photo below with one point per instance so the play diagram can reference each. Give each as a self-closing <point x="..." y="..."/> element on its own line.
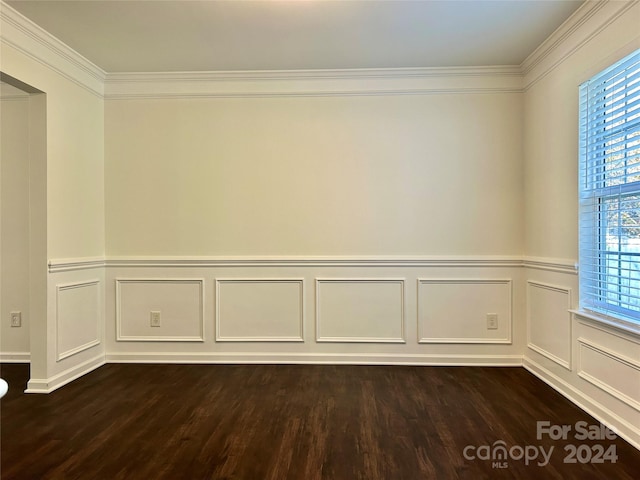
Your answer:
<point x="185" y="35"/>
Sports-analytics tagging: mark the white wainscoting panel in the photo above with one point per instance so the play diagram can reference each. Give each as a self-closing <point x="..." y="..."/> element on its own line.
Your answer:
<point x="77" y="317"/>
<point x="259" y="310"/>
<point x="179" y="301"/>
<point x="455" y="310"/>
<point x="610" y="371"/>
<point x="549" y="321"/>
<point x="361" y="310"/>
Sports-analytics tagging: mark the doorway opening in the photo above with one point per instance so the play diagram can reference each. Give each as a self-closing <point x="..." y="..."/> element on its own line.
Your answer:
<point x="23" y="225"/>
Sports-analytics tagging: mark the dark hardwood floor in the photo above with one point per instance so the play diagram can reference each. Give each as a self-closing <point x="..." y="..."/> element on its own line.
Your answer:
<point x="295" y="422"/>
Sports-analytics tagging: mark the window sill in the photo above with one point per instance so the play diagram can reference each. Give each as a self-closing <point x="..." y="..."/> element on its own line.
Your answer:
<point x="626" y="326"/>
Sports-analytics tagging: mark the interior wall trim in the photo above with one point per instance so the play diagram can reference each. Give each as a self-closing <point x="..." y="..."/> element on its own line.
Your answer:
<point x="48" y="385"/>
<point x="316" y="358"/>
<point x="36" y="43"/>
<point x="560" y="35"/>
<point x="311" y="261"/>
<point x="15" y="357"/>
<point x="540" y="263"/>
<point x="74" y="264"/>
<point x="601" y="383"/>
<point x="219" y="282"/>
<point x="92" y="342"/>
<point x="569" y="38"/>
<point x="507" y="340"/>
<point x="120" y="337"/>
<point x="613" y="326"/>
<point x="565" y="363"/>
<point x="313" y="83"/>
<point x="568" y="267"/>
<point x="310" y="74"/>
<point x="622" y="427"/>
<point x="147" y="95"/>
<point x="323" y="338"/>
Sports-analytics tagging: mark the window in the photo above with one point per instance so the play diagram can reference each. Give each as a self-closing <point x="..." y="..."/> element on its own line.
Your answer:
<point x="610" y="191"/>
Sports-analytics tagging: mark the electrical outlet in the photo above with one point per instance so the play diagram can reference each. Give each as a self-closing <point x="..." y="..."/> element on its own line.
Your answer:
<point x="492" y="321"/>
<point x="16" y="319"/>
<point x="155" y="319"/>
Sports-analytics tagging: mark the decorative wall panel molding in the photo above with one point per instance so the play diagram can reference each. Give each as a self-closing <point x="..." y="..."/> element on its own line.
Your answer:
<point x="549" y="321"/>
<point x="180" y="303"/>
<point x="610" y="371"/>
<point x="78" y="313"/>
<point x="609" y="325"/>
<point x="259" y="310"/>
<point x="363" y="310"/>
<point x="455" y="310"/>
<point x="603" y="413"/>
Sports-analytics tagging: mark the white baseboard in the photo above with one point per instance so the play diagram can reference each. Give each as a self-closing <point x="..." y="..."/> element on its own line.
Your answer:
<point x="48" y="385"/>
<point x="629" y="432"/>
<point x="15" y="357"/>
<point x="317" y="358"/>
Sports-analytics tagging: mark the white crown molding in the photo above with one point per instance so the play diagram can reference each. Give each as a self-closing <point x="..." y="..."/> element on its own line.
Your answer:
<point x="588" y="21"/>
<point x="585" y="24"/>
<point x="358" y="73"/>
<point x="30" y="39"/>
<point x="561" y="34"/>
<point x="313" y="83"/>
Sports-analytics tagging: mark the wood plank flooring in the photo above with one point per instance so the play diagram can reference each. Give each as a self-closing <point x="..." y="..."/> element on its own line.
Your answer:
<point x="291" y="422"/>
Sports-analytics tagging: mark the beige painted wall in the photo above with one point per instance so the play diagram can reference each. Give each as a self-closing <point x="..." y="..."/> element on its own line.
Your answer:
<point x="333" y="175"/>
<point x="14" y="215"/>
<point x="551" y="139"/>
<point x="583" y="358"/>
<point x="75" y="158"/>
<point x="67" y="174"/>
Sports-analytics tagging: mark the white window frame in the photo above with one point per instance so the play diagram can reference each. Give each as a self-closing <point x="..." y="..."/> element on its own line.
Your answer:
<point x="609" y="134"/>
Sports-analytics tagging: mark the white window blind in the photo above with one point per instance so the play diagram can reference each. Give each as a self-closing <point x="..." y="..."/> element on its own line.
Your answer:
<point x="610" y="191"/>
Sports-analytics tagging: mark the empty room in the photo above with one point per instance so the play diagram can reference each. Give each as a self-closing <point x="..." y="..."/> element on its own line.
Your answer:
<point x="300" y="239"/>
